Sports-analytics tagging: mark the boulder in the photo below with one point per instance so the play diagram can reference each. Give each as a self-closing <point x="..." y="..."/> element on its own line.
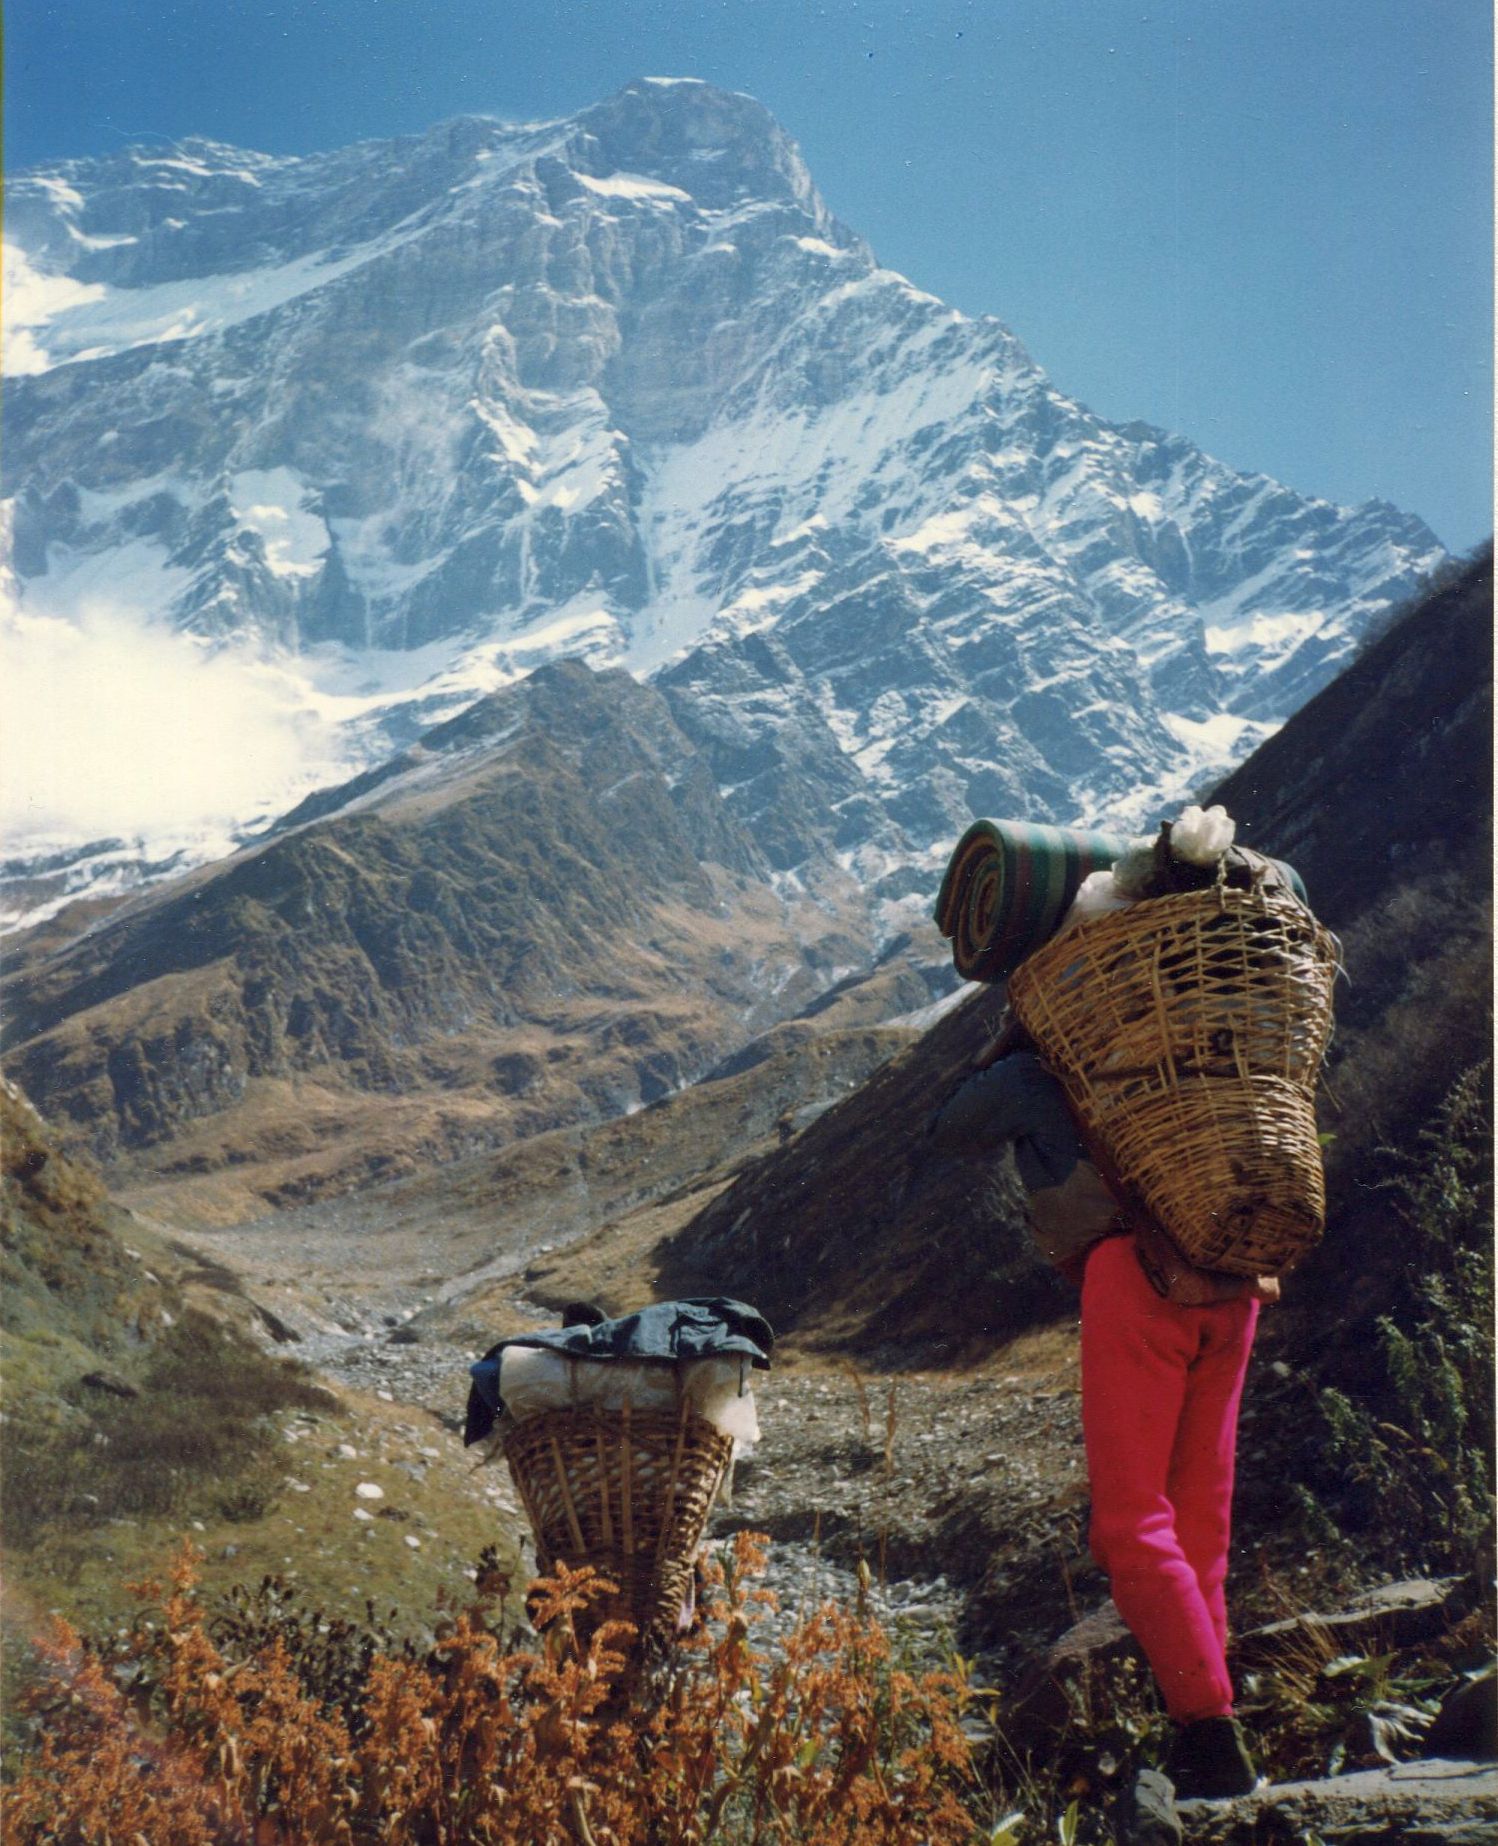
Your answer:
<point x="1429" y="1803"/>
<point x="1393" y="1615"/>
<point x="1467" y="1723"/>
<point x="1042" y="1700"/>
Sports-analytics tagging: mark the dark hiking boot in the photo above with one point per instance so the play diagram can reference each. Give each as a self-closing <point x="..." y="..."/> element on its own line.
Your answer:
<point x="1209" y="1761"/>
<point x="1147" y="1814"/>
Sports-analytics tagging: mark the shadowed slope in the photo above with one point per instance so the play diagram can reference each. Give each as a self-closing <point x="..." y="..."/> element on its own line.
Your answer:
<point x="1378" y="791"/>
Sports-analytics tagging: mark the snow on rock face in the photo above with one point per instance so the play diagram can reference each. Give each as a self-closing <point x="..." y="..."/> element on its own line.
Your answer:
<point x="620" y="386"/>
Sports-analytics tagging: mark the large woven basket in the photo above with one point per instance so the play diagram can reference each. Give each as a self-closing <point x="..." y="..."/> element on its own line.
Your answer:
<point x="626" y="1491"/>
<point x="1188" y="1032"/>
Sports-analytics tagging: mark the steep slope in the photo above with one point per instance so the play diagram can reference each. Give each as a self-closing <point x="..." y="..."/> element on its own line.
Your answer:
<point x="74" y="1296"/>
<point x="540" y="914"/>
<point x="1379" y="791"/>
<point x="414" y="416"/>
<point x="139" y="1412"/>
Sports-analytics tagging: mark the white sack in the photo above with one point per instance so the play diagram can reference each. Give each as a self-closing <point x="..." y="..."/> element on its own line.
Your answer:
<point x="1202" y="836"/>
<point x="537" y="1378"/>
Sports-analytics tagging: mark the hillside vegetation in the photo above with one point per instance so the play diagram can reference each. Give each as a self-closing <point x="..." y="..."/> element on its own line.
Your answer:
<point x="141" y="1406"/>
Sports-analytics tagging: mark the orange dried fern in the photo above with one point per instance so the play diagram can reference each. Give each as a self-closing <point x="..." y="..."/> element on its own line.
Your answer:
<point x="567" y="1742"/>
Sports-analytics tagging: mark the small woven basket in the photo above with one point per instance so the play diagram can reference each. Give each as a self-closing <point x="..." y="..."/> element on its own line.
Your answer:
<point x="1188" y="1032"/>
<point x="626" y="1491"/>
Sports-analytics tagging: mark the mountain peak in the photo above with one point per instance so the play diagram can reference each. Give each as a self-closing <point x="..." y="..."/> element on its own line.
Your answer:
<point x="717" y="146"/>
<point x="415" y="416"/>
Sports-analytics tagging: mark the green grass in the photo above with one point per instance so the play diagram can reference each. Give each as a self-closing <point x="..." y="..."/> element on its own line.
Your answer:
<point x="195" y="1439"/>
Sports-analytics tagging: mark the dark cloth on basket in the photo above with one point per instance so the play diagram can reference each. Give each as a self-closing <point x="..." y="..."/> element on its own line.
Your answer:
<point x="665" y="1333"/>
<point x="1019" y="1100"/>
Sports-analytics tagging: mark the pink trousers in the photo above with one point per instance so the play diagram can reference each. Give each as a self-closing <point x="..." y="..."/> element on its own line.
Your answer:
<point x="1161" y="1386"/>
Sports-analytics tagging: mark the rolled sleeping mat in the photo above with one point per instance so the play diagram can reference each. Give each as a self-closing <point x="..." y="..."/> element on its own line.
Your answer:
<point x="1009" y="883"/>
<point x="1007" y="886"/>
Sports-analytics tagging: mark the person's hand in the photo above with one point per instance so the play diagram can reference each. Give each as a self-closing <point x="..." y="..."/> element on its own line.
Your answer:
<point x="1264" y="1288"/>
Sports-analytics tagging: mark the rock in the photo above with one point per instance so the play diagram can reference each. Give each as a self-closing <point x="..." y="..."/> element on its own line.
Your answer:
<point x="1147" y="1815"/>
<point x="1467" y="1723"/>
<point x="403" y="1336"/>
<point x="277" y="1328"/>
<point x="107" y="1381"/>
<point x="1431" y="1803"/>
<point x="1394" y="1615"/>
<point x="1040" y="1700"/>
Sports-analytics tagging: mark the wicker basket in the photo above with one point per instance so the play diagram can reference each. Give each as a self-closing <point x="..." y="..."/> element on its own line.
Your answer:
<point x="1188" y="1032"/>
<point x="626" y="1491"/>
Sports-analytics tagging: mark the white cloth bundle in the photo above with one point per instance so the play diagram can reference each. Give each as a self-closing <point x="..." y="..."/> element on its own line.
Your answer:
<point x="537" y="1378"/>
<point x="1096" y="896"/>
<point x="1202" y="836"/>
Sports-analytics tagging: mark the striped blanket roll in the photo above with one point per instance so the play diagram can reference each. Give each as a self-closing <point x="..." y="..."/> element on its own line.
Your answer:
<point x="1007" y="886"/>
<point x="1009" y="883"/>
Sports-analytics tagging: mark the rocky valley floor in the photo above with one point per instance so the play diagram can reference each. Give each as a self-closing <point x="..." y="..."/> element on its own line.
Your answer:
<point x="961" y="1490"/>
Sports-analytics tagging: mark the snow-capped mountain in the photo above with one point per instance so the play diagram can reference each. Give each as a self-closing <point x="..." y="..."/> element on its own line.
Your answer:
<point x="377" y="431"/>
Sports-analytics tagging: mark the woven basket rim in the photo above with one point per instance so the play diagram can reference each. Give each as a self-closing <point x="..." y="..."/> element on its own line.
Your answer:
<point x="614" y="1413"/>
<point x="1149" y="913"/>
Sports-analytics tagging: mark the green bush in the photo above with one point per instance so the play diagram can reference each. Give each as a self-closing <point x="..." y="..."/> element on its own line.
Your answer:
<point x="195" y="1440"/>
<point x="1413" y="1455"/>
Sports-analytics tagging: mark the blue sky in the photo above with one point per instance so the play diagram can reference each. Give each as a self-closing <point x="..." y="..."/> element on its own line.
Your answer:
<point x="1263" y="223"/>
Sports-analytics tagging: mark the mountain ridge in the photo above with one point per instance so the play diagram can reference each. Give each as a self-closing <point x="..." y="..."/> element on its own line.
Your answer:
<point x="544" y="915"/>
<point x="619" y="386"/>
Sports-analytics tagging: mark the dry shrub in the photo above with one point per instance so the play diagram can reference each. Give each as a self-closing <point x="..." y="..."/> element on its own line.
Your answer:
<point x="563" y="1742"/>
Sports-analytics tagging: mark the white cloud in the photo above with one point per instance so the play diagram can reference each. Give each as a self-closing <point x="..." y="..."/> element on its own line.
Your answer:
<point x="114" y="727"/>
<point x="31" y="300"/>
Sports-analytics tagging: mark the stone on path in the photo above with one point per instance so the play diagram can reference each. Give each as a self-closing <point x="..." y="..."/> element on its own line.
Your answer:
<point x="1393" y="1615"/>
<point x="1435" y="1802"/>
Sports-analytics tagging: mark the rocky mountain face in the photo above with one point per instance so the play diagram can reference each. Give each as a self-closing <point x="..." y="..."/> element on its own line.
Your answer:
<point x="412" y="417"/>
<point x="1379" y="791"/>
<point x="542" y="913"/>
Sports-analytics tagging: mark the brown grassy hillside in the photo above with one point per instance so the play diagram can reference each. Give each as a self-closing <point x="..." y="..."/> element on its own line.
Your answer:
<point x="541" y="914"/>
